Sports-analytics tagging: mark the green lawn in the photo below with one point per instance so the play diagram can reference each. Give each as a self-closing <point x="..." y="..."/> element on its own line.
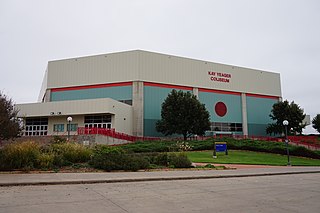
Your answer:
<point x="247" y="157"/>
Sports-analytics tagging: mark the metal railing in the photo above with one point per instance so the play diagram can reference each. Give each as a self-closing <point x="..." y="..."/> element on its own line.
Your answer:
<point x="112" y="133"/>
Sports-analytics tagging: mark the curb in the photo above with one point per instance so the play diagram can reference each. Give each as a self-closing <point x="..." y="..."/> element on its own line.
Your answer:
<point x="128" y="180"/>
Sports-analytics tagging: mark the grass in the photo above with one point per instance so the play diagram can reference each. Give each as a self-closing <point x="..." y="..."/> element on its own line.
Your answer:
<point x="248" y="157"/>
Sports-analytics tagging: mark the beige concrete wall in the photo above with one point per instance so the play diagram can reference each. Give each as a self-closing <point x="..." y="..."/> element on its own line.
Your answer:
<point x="121" y="120"/>
<point x="160" y="68"/>
<point x="77" y="119"/>
<point x="100" y="69"/>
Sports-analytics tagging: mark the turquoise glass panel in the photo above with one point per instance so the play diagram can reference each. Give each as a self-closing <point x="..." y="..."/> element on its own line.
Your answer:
<point x="232" y="102"/>
<point x="117" y="93"/>
<point x="259" y="110"/>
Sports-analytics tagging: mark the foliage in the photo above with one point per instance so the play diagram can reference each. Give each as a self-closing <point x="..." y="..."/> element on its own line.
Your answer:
<point x="284" y="111"/>
<point x="245" y="144"/>
<point x="58" y="139"/>
<point x="149" y="146"/>
<point x="20" y="156"/>
<point x="316" y="123"/>
<point x="9" y="123"/>
<point x="182" y="113"/>
<point x="46" y="160"/>
<point x="179" y="160"/>
<point x="69" y="153"/>
<point x="115" y="158"/>
<point x="180" y="146"/>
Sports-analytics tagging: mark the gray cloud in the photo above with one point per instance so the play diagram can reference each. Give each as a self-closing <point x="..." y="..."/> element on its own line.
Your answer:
<point x="280" y="36"/>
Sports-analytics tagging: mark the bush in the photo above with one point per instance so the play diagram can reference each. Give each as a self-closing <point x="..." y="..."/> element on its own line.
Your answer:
<point x="119" y="161"/>
<point x="115" y="158"/>
<point x="69" y="153"/>
<point x="245" y="144"/>
<point x="46" y="160"/>
<point x="179" y="160"/>
<point x="149" y="146"/>
<point x="20" y="156"/>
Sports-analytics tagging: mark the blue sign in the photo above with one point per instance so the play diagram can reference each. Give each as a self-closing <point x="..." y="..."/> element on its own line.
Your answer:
<point x="219" y="147"/>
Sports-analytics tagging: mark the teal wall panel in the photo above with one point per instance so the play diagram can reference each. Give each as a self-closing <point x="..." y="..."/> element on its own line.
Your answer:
<point x="258" y="110"/>
<point x="117" y="93"/>
<point x="153" y="99"/>
<point x="233" y="103"/>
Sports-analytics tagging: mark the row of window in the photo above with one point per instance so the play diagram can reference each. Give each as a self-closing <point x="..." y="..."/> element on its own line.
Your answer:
<point x="97" y="119"/>
<point x="60" y="127"/>
<point x="36" y="126"/>
<point x="39" y="126"/>
<point x="226" y="127"/>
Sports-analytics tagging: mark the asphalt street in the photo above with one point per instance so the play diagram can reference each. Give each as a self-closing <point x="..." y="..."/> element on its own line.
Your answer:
<point x="279" y="193"/>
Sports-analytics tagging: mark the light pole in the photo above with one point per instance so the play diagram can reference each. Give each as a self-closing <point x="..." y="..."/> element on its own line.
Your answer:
<point x="285" y="124"/>
<point x="69" y="119"/>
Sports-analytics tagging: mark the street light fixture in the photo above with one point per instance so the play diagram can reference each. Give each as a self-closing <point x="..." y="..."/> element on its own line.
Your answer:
<point x="285" y="124"/>
<point x="69" y="119"/>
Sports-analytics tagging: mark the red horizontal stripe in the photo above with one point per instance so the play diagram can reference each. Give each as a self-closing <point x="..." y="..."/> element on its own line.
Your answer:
<point x="92" y="86"/>
<point x="219" y="91"/>
<point x="167" y="86"/>
<point x="262" y="96"/>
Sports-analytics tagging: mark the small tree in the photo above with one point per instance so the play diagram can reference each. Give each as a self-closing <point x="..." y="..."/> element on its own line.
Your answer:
<point x="284" y="111"/>
<point x="9" y="124"/>
<point x="316" y="123"/>
<point x="182" y="113"/>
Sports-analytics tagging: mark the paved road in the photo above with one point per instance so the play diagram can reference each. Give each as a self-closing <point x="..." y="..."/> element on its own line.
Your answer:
<point x="283" y="193"/>
<point x="7" y="179"/>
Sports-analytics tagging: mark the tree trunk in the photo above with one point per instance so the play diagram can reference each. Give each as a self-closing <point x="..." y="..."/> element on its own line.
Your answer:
<point x="185" y="136"/>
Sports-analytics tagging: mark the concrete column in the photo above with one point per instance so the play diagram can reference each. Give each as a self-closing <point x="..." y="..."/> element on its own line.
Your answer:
<point x="244" y="114"/>
<point x="195" y="91"/>
<point x="137" y="103"/>
<point x="47" y="96"/>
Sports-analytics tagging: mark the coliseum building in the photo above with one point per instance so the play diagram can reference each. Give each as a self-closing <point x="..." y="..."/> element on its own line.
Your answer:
<point x="124" y="91"/>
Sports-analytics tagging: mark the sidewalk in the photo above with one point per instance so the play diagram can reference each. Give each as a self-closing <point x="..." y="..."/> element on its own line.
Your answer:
<point x="114" y="177"/>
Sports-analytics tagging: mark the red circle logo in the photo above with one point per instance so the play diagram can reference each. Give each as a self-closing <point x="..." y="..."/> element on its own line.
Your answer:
<point x="221" y="109"/>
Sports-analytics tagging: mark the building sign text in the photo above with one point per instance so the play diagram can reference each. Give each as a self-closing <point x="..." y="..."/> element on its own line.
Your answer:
<point x="220" y="76"/>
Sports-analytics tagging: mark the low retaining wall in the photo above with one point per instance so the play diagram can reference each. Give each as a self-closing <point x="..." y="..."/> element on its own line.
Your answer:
<point x="82" y="139"/>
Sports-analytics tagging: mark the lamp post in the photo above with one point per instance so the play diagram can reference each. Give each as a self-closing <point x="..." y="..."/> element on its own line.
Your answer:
<point x="285" y="124"/>
<point x="69" y="119"/>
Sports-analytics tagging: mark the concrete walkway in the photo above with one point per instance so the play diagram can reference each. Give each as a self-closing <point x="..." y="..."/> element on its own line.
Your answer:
<point x="7" y="179"/>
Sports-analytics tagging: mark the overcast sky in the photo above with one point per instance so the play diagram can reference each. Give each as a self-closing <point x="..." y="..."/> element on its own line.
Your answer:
<point x="281" y="36"/>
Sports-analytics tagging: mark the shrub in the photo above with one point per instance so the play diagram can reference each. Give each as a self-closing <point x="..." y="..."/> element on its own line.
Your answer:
<point x="46" y="160"/>
<point x="119" y="161"/>
<point x="245" y="144"/>
<point x="20" y="156"/>
<point x="179" y="160"/>
<point x="69" y="153"/>
<point x="148" y="146"/>
<point x="132" y="162"/>
<point x="58" y="139"/>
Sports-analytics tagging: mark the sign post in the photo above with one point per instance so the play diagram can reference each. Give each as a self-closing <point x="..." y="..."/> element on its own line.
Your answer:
<point x="219" y="147"/>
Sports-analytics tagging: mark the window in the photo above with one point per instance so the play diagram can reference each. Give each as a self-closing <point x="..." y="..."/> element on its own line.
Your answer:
<point x="58" y="127"/>
<point x="73" y="127"/>
<point x="129" y="102"/>
<point x="36" y="126"/>
<point x="226" y="127"/>
<point x="97" y="121"/>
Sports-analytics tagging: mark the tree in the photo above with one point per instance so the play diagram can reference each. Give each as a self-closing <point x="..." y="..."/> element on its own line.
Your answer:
<point x="182" y="113"/>
<point x="9" y="123"/>
<point x="316" y="123"/>
<point x="284" y="111"/>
